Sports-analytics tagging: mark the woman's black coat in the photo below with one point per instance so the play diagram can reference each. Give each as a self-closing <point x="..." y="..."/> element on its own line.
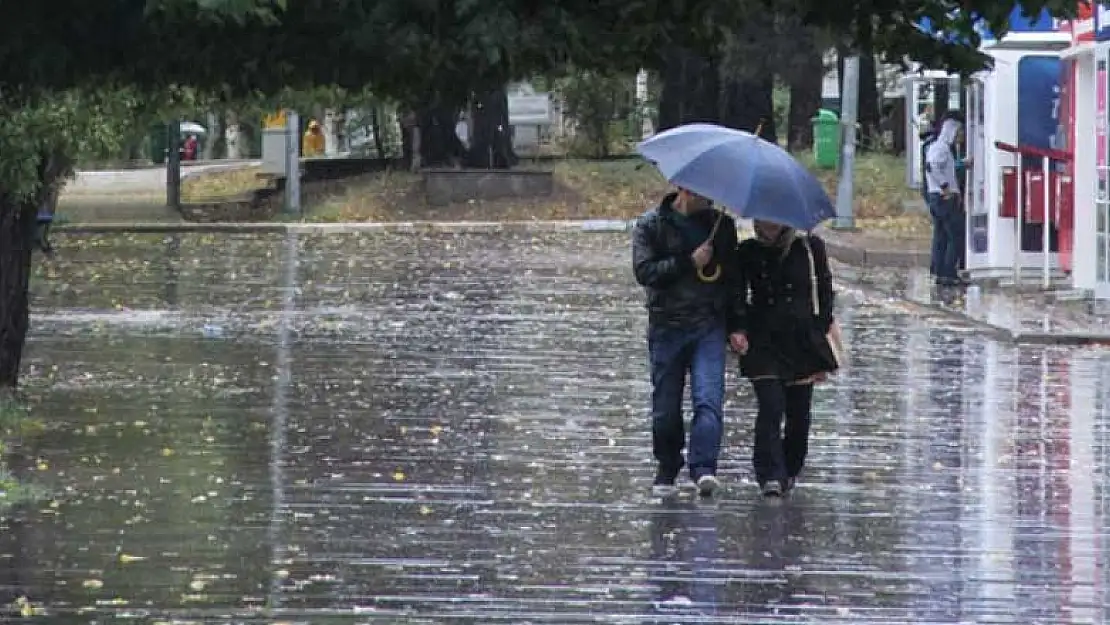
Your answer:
<point x="785" y="339"/>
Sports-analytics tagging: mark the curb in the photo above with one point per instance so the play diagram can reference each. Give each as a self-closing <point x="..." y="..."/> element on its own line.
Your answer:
<point x="876" y="258"/>
<point x="590" y="226"/>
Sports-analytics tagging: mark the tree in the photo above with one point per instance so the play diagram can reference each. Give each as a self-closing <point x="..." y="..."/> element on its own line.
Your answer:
<point x="594" y="99"/>
<point x="65" y="93"/>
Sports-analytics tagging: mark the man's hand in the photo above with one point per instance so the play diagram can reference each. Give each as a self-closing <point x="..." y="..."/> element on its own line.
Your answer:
<point x="738" y="341"/>
<point x="703" y="254"/>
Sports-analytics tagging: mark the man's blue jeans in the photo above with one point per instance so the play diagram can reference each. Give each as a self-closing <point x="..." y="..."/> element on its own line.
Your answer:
<point x="948" y="236"/>
<point x="702" y="352"/>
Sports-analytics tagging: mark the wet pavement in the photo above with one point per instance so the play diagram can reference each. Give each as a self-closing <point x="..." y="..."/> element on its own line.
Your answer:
<point x="437" y="429"/>
<point x="1030" y="313"/>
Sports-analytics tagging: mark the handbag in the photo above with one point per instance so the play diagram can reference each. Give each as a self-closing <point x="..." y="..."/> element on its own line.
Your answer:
<point x="833" y="337"/>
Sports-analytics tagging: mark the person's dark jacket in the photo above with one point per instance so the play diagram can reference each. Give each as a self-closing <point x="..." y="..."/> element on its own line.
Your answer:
<point x="785" y="338"/>
<point x="661" y="259"/>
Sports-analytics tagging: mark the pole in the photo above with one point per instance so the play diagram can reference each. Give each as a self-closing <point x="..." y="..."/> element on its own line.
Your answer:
<point x="1019" y="216"/>
<point x="1046" y="225"/>
<point x="849" y="99"/>
<point x="292" y="163"/>
<point x="173" y="165"/>
<point x="280" y="414"/>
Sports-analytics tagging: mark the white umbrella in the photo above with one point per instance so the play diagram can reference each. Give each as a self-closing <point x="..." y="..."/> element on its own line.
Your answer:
<point x="193" y="128"/>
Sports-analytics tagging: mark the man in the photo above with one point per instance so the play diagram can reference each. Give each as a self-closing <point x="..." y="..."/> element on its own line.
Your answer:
<point x="945" y="207"/>
<point x="695" y="307"/>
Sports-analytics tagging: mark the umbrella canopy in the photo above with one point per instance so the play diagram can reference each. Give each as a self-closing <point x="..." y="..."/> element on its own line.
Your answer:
<point x="193" y="128"/>
<point x="752" y="177"/>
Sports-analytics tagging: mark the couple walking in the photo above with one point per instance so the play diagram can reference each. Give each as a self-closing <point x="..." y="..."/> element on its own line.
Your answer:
<point x="769" y="299"/>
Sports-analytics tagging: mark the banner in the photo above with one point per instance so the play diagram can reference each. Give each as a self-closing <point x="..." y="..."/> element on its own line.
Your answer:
<point x="1100" y="127"/>
<point x="1038" y="106"/>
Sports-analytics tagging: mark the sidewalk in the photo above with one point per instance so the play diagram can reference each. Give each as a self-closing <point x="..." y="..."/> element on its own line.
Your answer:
<point x="1034" y="317"/>
<point x="875" y="249"/>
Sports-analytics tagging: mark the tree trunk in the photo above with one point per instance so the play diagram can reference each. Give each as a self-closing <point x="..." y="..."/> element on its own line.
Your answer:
<point x="870" y="115"/>
<point x="491" y="136"/>
<point x="376" y="129"/>
<point x="232" y="136"/>
<point x="806" y="81"/>
<point x="17" y="234"/>
<point x="407" y="123"/>
<point x="747" y="103"/>
<point x="691" y="90"/>
<point x="214" y="134"/>
<point x="940" y="98"/>
<point x="439" y="143"/>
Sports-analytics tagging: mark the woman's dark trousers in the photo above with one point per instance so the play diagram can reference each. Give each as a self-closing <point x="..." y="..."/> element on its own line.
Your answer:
<point x="781" y="429"/>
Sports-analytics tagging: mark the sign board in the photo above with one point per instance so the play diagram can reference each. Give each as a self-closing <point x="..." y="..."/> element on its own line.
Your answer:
<point x="1043" y="22"/>
<point x="530" y="110"/>
<point x="1102" y="21"/>
<point x="1082" y="28"/>
<point x="275" y="121"/>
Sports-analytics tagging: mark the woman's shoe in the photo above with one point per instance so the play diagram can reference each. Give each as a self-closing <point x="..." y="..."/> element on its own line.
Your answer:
<point x="771" y="489"/>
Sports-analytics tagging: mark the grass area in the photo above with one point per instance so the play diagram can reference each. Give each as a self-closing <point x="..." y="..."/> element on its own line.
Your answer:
<point x="221" y="184"/>
<point x="16" y="423"/>
<point x="584" y="190"/>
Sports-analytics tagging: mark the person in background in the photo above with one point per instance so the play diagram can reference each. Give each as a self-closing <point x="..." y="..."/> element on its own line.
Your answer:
<point x="683" y="255"/>
<point x="189" y="148"/>
<point x="313" y="143"/>
<point x="945" y="207"/>
<point x="788" y="285"/>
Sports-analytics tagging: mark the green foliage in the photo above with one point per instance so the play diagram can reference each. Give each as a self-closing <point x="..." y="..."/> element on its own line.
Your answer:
<point x="595" y="99"/>
<point x="62" y="126"/>
<point x="44" y="133"/>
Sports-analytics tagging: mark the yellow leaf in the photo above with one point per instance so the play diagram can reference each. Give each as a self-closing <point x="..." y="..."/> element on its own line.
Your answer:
<point x="399" y="475"/>
<point x="167" y="452"/>
<point x="425" y="510"/>
<point x="127" y="559"/>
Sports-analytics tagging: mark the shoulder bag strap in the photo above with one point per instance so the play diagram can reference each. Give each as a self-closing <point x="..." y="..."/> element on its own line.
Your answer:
<point x="812" y="277"/>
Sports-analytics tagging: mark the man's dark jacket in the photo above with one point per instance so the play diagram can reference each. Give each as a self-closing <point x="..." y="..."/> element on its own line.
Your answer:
<point x="661" y="258"/>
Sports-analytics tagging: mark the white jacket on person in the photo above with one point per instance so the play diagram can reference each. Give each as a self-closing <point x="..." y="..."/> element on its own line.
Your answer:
<point x="940" y="162"/>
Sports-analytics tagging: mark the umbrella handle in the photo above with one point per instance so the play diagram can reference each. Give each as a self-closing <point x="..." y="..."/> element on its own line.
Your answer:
<point x="716" y="275"/>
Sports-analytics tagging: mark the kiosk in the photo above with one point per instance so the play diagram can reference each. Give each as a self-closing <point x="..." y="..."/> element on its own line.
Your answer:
<point x="1085" y="80"/>
<point x="1015" y="153"/>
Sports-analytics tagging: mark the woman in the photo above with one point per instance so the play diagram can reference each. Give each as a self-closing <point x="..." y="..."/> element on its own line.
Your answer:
<point x="790" y="310"/>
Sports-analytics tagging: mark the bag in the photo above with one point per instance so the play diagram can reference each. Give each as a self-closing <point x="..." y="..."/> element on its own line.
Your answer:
<point x="833" y="338"/>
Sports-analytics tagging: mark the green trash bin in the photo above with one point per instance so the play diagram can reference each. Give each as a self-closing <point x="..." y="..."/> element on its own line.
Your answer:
<point x="826" y="139"/>
<point x="159" y="139"/>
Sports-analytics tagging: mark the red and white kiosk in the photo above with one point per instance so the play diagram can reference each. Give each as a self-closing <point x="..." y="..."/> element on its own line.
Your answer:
<point x="1017" y="172"/>
<point x="1085" y="86"/>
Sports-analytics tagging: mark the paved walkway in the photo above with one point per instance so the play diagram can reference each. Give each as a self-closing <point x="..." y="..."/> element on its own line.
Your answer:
<point x="451" y="428"/>
<point x="127" y="195"/>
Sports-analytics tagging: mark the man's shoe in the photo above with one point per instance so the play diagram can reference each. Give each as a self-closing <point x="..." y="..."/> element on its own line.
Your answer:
<point x="707" y="485"/>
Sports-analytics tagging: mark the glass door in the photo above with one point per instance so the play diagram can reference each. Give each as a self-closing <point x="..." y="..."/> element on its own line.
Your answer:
<point x="1102" y="176"/>
<point x="978" y="213"/>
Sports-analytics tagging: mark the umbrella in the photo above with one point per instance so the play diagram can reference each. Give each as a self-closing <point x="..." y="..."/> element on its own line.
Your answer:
<point x="193" y="128"/>
<point x="752" y="177"/>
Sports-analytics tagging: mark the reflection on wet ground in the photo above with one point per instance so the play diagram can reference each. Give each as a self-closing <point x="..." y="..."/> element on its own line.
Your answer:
<point x="389" y="429"/>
